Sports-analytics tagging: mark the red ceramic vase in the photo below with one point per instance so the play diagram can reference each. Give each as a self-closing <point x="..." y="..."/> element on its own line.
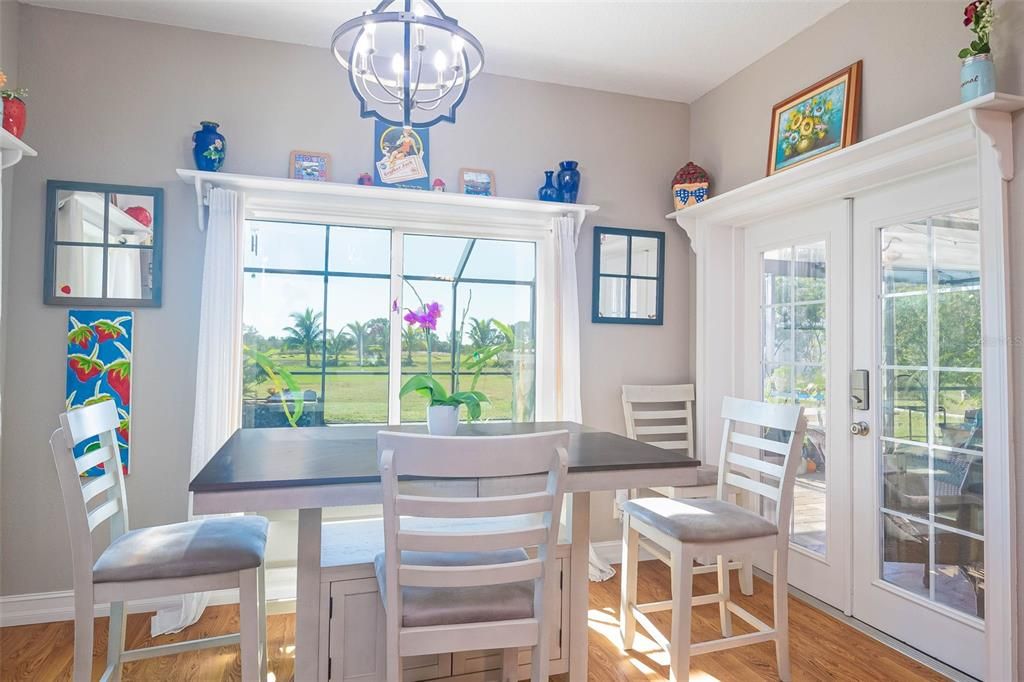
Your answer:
<point x="14" y="116"/>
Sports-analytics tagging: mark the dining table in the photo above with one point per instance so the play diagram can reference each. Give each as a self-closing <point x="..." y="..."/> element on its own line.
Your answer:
<point x="308" y="469"/>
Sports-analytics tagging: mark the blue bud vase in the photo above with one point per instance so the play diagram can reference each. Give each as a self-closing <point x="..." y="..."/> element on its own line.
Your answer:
<point x="208" y="147"/>
<point x="977" y="77"/>
<point x="568" y="181"/>
<point x="549" y="192"/>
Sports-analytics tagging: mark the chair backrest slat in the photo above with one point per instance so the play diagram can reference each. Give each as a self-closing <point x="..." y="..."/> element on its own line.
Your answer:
<point x="93" y="458"/>
<point x="470" y="576"/>
<point x="528" y="519"/>
<point x="656" y="405"/>
<point x="785" y="424"/>
<point x="98" y="421"/>
<point x="472" y="507"/>
<point x="747" y="462"/>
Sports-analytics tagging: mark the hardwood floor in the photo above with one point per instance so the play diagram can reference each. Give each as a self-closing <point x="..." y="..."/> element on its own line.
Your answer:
<point x="822" y="647"/>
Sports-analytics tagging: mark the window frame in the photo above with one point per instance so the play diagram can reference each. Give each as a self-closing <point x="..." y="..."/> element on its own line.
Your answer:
<point x="629" y="277"/>
<point x="543" y="306"/>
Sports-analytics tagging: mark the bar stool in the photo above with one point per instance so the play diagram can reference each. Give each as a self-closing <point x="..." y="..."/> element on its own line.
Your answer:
<point x="691" y="528"/>
<point x="179" y="558"/>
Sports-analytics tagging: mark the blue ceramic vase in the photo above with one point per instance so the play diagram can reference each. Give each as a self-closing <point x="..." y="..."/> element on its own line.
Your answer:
<point x="977" y="77"/>
<point x="549" y="192"/>
<point x="568" y="181"/>
<point x="208" y="147"/>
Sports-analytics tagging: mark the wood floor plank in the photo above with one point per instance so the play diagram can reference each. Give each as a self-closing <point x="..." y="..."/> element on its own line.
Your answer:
<point x="822" y="648"/>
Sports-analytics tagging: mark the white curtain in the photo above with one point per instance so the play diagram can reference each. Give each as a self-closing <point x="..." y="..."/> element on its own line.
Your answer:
<point x="567" y="387"/>
<point x="218" y="411"/>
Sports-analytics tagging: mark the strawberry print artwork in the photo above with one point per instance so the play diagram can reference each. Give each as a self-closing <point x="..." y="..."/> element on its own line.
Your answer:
<point x="99" y="368"/>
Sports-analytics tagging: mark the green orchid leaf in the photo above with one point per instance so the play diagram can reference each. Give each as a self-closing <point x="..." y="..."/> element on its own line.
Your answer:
<point x="427" y="386"/>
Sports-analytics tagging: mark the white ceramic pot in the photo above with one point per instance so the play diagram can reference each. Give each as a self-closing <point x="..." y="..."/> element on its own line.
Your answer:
<point x="443" y="420"/>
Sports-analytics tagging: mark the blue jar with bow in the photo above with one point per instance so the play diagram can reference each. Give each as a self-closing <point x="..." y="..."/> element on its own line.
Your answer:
<point x="549" y="192"/>
<point x="569" y="181"/>
<point x="208" y="147"/>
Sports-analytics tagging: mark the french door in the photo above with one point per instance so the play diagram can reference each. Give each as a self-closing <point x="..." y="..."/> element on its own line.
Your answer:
<point x="918" y="522"/>
<point x="797" y="298"/>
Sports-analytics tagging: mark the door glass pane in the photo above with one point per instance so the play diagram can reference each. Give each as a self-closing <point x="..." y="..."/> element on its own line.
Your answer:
<point x="931" y="439"/>
<point x="284" y="246"/>
<point x="793" y="341"/>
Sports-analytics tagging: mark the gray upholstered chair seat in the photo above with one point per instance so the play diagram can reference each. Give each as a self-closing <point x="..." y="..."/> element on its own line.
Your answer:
<point x="423" y="606"/>
<point x="180" y="550"/>
<point x="699" y="521"/>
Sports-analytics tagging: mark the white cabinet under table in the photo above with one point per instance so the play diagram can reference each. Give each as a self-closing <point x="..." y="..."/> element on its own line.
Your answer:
<point x="352" y="617"/>
<point x="308" y="469"/>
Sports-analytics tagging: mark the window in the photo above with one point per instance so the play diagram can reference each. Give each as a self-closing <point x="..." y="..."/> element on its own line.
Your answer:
<point x="319" y="312"/>
<point x="629" y="268"/>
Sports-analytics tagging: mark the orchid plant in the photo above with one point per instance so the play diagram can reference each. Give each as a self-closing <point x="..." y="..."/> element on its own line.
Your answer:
<point x="425" y="318"/>
<point x="978" y="17"/>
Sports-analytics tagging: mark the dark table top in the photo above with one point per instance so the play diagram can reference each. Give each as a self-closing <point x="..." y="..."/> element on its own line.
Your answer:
<point x="261" y="459"/>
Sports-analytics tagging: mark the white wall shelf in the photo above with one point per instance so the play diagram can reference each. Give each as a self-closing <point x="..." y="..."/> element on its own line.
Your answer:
<point x="306" y="196"/>
<point x="12" y="149"/>
<point x="931" y="142"/>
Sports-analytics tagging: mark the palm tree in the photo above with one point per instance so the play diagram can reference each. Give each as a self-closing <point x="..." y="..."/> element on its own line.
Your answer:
<point x="360" y="332"/>
<point x="380" y="335"/>
<point x="305" y="332"/>
<point x="411" y="341"/>
<point x="338" y="343"/>
<point x="481" y="332"/>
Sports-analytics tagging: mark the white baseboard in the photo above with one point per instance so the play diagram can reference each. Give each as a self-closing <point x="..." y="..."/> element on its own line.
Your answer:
<point x="52" y="607"/>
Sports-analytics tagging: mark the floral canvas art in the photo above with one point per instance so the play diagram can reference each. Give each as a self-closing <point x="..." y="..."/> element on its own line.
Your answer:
<point x="816" y="121"/>
<point x="99" y="368"/>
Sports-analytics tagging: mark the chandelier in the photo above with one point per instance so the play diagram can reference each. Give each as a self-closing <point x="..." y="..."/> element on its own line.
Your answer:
<point x="408" y="62"/>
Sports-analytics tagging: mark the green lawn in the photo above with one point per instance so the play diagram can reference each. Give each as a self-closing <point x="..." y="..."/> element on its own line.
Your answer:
<point x="363" y="397"/>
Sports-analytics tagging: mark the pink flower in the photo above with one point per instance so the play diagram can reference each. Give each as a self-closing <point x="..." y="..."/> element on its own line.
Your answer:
<point x="969" y="12"/>
<point x="410" y="317"/>
<point x="394" y="306"/>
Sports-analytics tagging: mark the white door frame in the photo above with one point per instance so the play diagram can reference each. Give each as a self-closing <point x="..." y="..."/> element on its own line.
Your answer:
<point x="981" y="130"/>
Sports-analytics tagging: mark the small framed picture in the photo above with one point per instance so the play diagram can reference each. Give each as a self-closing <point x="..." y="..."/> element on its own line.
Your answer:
<point x="476" y="181"/>
<point x="816" y="121"/>
<point x="310" y="166"/>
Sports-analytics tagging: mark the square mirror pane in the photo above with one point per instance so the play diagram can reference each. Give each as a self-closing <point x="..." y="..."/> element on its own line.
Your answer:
<point x="613" y="254"/>
<point x="612" y="296"/>
<point x="644" y="257"/>
<point x="643" y="299"/>
<point x="79" y="217"/>
<point x="78" y="272"/>
<point x="130" y="219"/>
<point x="129" y="272"/>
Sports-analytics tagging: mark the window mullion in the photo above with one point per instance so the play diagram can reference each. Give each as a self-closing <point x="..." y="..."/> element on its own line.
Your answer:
<point x="395" y="330"/>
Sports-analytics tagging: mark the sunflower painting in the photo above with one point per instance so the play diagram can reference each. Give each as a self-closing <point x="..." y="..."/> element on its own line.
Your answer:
<point x="816" y="121"/>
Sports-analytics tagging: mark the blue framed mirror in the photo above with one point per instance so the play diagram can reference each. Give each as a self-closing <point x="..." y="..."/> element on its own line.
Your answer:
<point x="629" y="276"/>
<point x="104" y="245"/>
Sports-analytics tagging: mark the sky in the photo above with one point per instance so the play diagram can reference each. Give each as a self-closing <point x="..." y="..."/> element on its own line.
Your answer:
<point x="269" y="298"/>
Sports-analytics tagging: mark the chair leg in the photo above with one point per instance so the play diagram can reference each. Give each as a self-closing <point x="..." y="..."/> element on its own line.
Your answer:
<point x="510" y="665"/>
<point x="747" y="575"/>
<point x="248" y="591"/>
<point x="392" y="659"/>
<point x="627" y="580"/>
<point x="115" y="641"/>
<point x="261" y="614"/>
<point x="539" y="662"/>
<point x="83" y="635"/>
<point x="724" y="615"/>
<point x="781" y="589"/>
<point x="682" y="606"/>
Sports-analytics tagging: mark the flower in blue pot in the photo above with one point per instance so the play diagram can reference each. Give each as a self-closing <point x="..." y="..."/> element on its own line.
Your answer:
<point x="977" y="73"/>
<point x="568" y="180"/>
<point x="208" y="147"/>
<point x="549" y="192"/>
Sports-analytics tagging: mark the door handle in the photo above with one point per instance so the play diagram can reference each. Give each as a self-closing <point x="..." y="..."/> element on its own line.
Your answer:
<point x="860" y="428"/>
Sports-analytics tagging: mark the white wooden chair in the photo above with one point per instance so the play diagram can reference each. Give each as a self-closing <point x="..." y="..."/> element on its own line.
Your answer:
<point x="687" y="528"/>
<point x="196" y="556"/>
<point x="662" y="415"/>
<point x="450" y="589"/>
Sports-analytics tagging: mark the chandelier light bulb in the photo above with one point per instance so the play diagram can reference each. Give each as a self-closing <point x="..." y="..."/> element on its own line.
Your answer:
<point x="440" y="63"/>
<point x="458" y="44"/>
<point x="397" y="64"/>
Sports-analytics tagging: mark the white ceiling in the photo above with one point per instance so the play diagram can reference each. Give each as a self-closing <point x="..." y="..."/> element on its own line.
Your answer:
<point x="668" y="49"/>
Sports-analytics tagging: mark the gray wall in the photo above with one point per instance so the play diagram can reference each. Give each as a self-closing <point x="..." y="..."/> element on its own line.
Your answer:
<point x="910" y="70"/>
<point x="116" y="101"/>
